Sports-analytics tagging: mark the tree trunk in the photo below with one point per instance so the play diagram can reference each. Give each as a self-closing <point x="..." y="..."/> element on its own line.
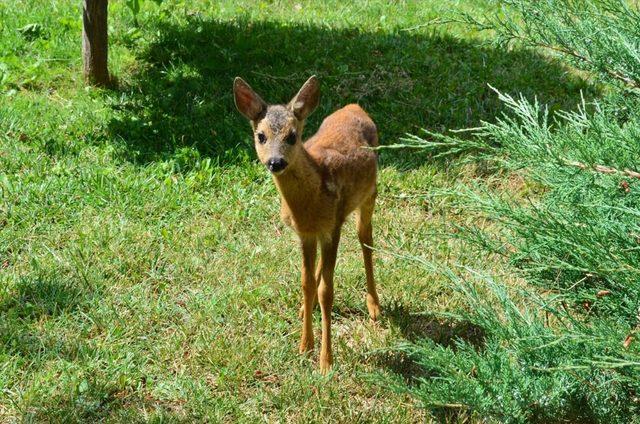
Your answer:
<point x="94" y="42"/>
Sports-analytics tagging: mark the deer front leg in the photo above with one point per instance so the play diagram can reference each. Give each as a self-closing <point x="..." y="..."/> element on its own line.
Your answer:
<point x="315" y="298"/>
<point x="309" y="290"/>
<point x="325" y="298"/>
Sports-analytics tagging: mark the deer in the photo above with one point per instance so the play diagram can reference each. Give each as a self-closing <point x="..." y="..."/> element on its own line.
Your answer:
<point x="320" y="182"/>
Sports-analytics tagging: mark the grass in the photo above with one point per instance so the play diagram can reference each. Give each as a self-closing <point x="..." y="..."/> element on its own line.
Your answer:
<point x="144" y="273"/>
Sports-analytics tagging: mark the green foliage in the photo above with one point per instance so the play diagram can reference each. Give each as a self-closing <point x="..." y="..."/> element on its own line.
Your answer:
<point x="582" y="237"/>
<point x="527" y="370"/>
<point x="596" y="35"/>
<point x="568" y="350"/>
<point x="134" y="6"/>
<point x="576" y="238"/>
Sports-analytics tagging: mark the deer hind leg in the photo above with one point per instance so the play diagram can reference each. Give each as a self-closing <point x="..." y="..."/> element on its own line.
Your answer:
<point x="315" y="298"/>
<point x="325" y="297"/>
<point x="365" y="234"/>
<point x="309" y="292"/>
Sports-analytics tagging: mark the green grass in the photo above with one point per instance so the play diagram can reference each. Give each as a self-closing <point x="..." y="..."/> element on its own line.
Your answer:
<point x="144" y="273"/>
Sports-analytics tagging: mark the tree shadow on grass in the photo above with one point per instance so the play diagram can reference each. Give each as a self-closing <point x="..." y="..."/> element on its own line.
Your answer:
<point x="39" y="296"/>
<point x="443" y="331"/>
<point x="414" y="371"/>
<point x="180" y="96"/>
<point x="25" y="339"/>
<point x="418" y="326"/>
<point x="102" y="401"/>
<point x="27" y="304"/>
<point x="408" y="366"/>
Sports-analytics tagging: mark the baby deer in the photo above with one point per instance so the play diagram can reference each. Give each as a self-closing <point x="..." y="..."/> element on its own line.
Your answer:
<point x="321" y="181"/>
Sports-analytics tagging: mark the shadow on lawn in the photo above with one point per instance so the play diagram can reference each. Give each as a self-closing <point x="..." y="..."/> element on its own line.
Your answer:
<point x="34" y="302"/>
<point x="444" y="332"/>
<point x="414" y="368"/>
<point x="35" y="299"/>
<point x="414" y="327"/>
<point x="181" y="95"/>
<point x="41" y="295"/>
<point x="408" y="366"/>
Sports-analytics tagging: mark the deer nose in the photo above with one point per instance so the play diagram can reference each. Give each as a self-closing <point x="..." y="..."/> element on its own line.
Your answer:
<point x="276" y="164"/>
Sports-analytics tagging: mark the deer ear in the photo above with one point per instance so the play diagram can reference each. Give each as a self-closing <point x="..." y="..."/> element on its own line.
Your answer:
<point x="247" y="101"/>
<point x="307" y="99"/>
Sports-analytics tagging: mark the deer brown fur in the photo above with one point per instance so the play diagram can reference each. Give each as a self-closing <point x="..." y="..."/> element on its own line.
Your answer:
<point x="320" y="181"/>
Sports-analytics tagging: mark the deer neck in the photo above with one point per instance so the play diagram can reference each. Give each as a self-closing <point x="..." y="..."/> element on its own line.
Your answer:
<point x="300" y="186"/>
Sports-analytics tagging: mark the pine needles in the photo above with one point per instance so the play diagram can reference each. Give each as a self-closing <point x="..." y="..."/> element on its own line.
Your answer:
<point x="600" y="36"/>
<point x="566" y="348"/>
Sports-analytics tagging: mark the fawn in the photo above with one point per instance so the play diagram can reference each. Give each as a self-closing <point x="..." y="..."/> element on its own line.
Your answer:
<point x="320" y="181"/>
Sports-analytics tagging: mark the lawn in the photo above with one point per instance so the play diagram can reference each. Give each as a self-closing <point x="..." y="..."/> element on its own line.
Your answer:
<point x="144" y="272"/>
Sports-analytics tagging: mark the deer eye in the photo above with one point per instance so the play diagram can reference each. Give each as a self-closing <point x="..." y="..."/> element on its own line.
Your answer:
<point x="262" y="138"/>
<point x="291" y="138"/>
